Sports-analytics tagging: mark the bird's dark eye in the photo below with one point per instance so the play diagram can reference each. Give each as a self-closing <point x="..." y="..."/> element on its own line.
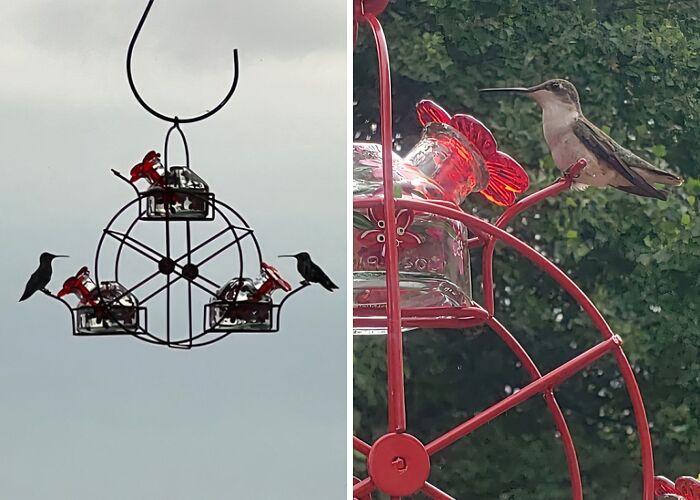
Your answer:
<point x="556" y="85"/>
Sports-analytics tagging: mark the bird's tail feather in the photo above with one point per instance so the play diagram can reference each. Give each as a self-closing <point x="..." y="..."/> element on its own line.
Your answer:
<point x="328" y="284"/>
<point x="656" y="176"/>
<point x="656" y="193"/>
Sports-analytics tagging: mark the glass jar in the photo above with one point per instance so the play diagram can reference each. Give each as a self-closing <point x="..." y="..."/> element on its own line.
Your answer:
<point x="111" y="310"/>
<point x="433" y="260"/>
<point x="245" y="304"/>
<point x="189" y="197"/>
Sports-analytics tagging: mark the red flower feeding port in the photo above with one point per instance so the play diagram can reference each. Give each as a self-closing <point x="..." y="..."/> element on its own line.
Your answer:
<point x="411" y="270"/>
<point x="175" y="200"/>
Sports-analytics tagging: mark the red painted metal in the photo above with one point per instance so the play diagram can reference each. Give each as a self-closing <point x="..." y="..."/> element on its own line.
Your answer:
<point x="542" y="384"/>
<point x="399" y="464"/>
<point x="550" y="400"/>
<point x="397" y="404"/>
<point x="434" y="492"/>
<point x="360" y="446"/>
<point x="356" y="480"/>
<point x="384" y="471"/>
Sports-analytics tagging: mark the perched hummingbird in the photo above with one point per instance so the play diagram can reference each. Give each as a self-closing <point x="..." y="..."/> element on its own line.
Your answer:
<point x="41" y="277"/>
<point x="570" y="137"/>
<point x="311" y="272"/>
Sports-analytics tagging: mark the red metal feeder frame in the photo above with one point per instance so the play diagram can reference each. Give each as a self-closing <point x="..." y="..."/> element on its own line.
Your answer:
<point x="398" y="464"/>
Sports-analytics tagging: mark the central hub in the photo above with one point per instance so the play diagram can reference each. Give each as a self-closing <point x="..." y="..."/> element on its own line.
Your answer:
<point x="190" y="271"/>
<point x="398" y="464"/>
<point x="166" y="265"/>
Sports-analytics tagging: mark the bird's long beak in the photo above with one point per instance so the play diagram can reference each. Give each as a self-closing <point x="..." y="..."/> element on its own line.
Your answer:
<point x="512" y="90"/>
<point x="287" y="256"/>
<point x="55" y="256"/>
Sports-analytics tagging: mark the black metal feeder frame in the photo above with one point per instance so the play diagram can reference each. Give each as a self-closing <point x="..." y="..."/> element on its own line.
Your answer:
<point x="183" y="198"/>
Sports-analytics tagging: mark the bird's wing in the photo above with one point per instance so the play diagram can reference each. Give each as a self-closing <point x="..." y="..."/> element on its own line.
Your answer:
<point x="32" y="286"/>
<point x="659" y="175"/>
<point x="323" y="278"/>
<point x="615" y="155"/>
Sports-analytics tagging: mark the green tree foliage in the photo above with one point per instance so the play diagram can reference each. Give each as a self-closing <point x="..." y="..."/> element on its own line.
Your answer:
<point x="636" y="65"/>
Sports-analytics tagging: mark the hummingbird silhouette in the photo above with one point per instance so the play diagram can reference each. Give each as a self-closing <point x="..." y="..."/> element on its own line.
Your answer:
<point x="570" y="137"/>
<point x="311" y="272"/>
<point x="41" y="277"/>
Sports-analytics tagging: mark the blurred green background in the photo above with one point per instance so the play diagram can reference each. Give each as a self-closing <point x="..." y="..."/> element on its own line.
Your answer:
<point x="636" y="65"/>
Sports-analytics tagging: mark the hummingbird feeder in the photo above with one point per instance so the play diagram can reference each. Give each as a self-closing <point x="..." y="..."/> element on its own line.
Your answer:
<point x="411" y="269"/>
<point x="175" y="200"/>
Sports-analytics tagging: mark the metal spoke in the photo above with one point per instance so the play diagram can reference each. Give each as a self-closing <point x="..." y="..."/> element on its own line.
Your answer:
<point x="149" y="297"/>
<point x="547" y="382"/>
<point x="212" y="238"/>
<point x="132" y="243"/>
<point x="133" y="288"/>
<point x="360" y="446"/>
<point x="224" y="248"/>
<point x="434" y="492"/>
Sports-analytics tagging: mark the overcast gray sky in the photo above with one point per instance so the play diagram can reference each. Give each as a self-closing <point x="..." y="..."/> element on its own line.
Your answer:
<point x="114" y="418"/>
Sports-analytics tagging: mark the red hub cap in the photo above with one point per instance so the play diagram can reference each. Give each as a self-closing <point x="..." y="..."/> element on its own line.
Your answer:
<point x="398" y="464"/>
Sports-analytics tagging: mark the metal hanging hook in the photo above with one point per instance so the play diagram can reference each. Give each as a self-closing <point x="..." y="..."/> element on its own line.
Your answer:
<point x="155" y="113"/>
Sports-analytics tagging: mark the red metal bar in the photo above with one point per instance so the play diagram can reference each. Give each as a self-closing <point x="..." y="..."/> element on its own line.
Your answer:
<point x="561" y="184"/>
<point x="550" y="400"/>
<point x="436" y="493"/>
<point x="363" y="488"/>
<point x="396" y="398"/>
<point x="552" y="190"/>
<point x="360" y="446"/>
<point x="546" y="382"/>
<point x="642" y="423"/>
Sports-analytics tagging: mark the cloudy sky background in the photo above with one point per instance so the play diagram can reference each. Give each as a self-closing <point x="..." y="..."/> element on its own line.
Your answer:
<point x="115" y="418"/>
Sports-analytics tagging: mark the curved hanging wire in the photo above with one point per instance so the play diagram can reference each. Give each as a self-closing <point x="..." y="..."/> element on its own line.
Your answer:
<point x="173" y="119"/>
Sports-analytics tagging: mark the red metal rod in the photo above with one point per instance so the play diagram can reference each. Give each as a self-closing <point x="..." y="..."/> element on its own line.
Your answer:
<point x="547" y="382"/>
<point x="642" y="424"/>
<point x="396" y="398"/>
<point x="561" y="184"/>
<point x="550" y="400"/>
<point x="435" y="493"/>
<point x="487" y="259"/>
<point x="360" y="446"/>
<point x="363" y="488"/>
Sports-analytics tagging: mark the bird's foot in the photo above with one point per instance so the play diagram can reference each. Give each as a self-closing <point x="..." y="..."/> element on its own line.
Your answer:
<point x="46" y="291"/>
<point x="304" y="283"/>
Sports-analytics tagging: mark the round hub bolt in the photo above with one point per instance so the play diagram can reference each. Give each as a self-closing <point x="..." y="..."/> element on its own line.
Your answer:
<point x="166" y="265"/>
<point x="398" y="464"/>
<point x="190" y="272"/>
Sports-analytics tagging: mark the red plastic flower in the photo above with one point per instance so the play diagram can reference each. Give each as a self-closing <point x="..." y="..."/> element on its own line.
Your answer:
<point x="506" y="177"/>
<point x="147" y="169"/>
<point x="76" y="285"/>
<point x="376" y="239"/>
<point x="274" y="281"/>
<point x="686" y="487"/>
